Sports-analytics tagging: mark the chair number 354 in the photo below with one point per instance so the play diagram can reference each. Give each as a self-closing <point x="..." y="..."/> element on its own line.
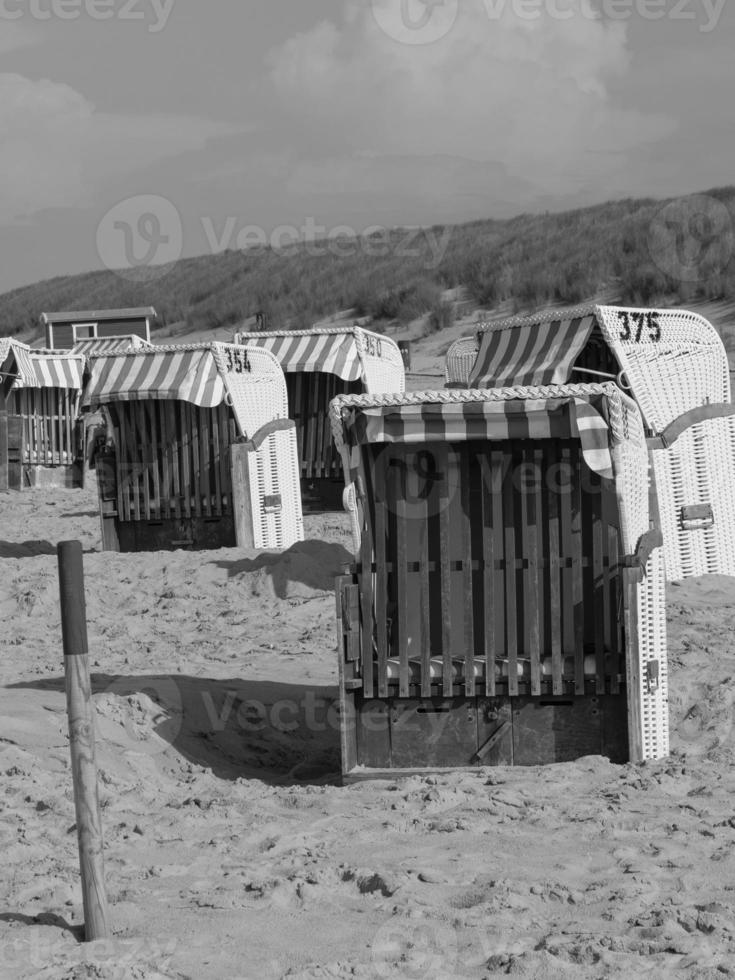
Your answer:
<point x="238" y="361"/>
<point x="635" y="323"/>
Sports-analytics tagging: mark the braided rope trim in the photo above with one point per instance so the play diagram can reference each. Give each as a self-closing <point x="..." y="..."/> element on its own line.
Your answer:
<point x="212" y="345"/>
<point x="42" y="352"/>
<point x="549" y="315"/>
<point x="357" y="332"/>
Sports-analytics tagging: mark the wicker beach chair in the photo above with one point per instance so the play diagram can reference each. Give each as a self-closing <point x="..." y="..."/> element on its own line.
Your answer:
<point x="16" y="370"/>
<point x="674" y="365"/>
<point x="319" y="365"/>
<point x="44" y="437"/>
<point x="507" y="603"/>
<point x="203" y="453"/>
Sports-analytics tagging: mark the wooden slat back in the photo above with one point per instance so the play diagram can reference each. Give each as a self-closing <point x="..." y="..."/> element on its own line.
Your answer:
<point x="309" y="395"/>
<point x="172" y="459"/>
<point x="489" y="558"/>
<point x="47" y="424"/>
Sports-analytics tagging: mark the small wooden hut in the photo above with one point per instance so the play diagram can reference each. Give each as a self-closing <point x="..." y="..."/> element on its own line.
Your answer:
<point x="674" y="365"/>
<point x="320" y="364"/>
<point x="45" y="439"/>
<point x="201" y="452"/>
<point x="64" y="330"/>
<point x="507" y="602"/>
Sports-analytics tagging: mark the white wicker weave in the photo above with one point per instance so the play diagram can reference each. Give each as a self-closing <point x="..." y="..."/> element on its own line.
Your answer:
<point x="671" y="362"/>
<point x="685" y="369"/>
<point x="461" y="358"/>
<point x="646" y="633"/>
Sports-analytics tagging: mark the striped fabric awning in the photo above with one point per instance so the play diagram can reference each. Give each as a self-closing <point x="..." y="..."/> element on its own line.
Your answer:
<point x="530" y="352"/>
<point x="538" y="418"/>
<point x="187" y="373"/>
<point x="15" y="359"/>
<point x="334" y="352"/>
<point x="107" y="345"/>
<point x="58" y="370"/>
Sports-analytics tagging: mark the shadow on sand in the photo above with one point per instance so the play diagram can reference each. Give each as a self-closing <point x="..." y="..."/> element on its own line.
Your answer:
<point x="277" y="732"/>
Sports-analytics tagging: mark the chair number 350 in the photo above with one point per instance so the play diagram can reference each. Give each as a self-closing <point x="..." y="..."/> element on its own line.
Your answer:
<point x="238" y="361"/>
<point x="634" y="323"/>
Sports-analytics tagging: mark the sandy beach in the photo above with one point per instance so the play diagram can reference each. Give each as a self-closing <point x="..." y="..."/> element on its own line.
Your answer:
<point x="231" y="850"/>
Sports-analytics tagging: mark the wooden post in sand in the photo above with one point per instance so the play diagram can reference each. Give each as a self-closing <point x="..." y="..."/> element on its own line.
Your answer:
<point x="81" y="738"/>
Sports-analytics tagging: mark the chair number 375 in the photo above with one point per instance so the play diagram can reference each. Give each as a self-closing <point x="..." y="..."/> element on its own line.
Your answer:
<point x="634" y="324"/>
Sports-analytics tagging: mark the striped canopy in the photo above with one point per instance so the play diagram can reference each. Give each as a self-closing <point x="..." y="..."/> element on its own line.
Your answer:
<point x="57" y="370"/>
<point x="187" y="373"/>
<point x="533" y="418"/>
<point x="106" y="345"/>
<point x="528" y="352"/>
<point x="15" y="360"/>
<point x="331" y="351"/>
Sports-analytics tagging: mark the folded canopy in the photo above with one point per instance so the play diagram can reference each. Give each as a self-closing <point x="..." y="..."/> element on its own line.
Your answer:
<point x="57" y="370"/>
<point x="528" y="352"/>
<point x="535" y="418"/>
<point x="15" y="361"/>
<point x="187" y="373"/>
<point x="330" y="351"/>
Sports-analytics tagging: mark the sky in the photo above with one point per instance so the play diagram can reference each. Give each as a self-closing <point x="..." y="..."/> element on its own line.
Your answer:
<point x="134" y="132"/>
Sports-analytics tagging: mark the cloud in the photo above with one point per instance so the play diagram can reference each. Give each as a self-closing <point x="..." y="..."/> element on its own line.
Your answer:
<point x="532" y="96"/>
<point x="56" y="150"/>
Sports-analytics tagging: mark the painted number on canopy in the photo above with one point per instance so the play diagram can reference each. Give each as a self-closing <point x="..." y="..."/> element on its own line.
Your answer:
<point x="635" y="323"/>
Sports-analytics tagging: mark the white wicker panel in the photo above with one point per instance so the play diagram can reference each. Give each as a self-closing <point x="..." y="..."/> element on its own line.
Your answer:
<point x="699" y="469"/>
<point x="258" y="396"/>
<point x="383" y="369"/>
<point x="274" y="470"/>
<point x="654" y="704"/>
<point x="461" y="358"/>
<point x="685" y="368"/>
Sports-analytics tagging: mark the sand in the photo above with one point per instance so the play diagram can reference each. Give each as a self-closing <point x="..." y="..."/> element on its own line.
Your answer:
<point x="231" y="850"/>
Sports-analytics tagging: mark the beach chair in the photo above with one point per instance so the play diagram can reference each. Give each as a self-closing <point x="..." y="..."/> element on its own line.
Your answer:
<point x="674" y="365"/>
<point x="320" y="364"/>
<point x="43" y="431"/>
<point x="201" y="451"/>
<point x="507" y="601"/>
<point x="16" y="369"/>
